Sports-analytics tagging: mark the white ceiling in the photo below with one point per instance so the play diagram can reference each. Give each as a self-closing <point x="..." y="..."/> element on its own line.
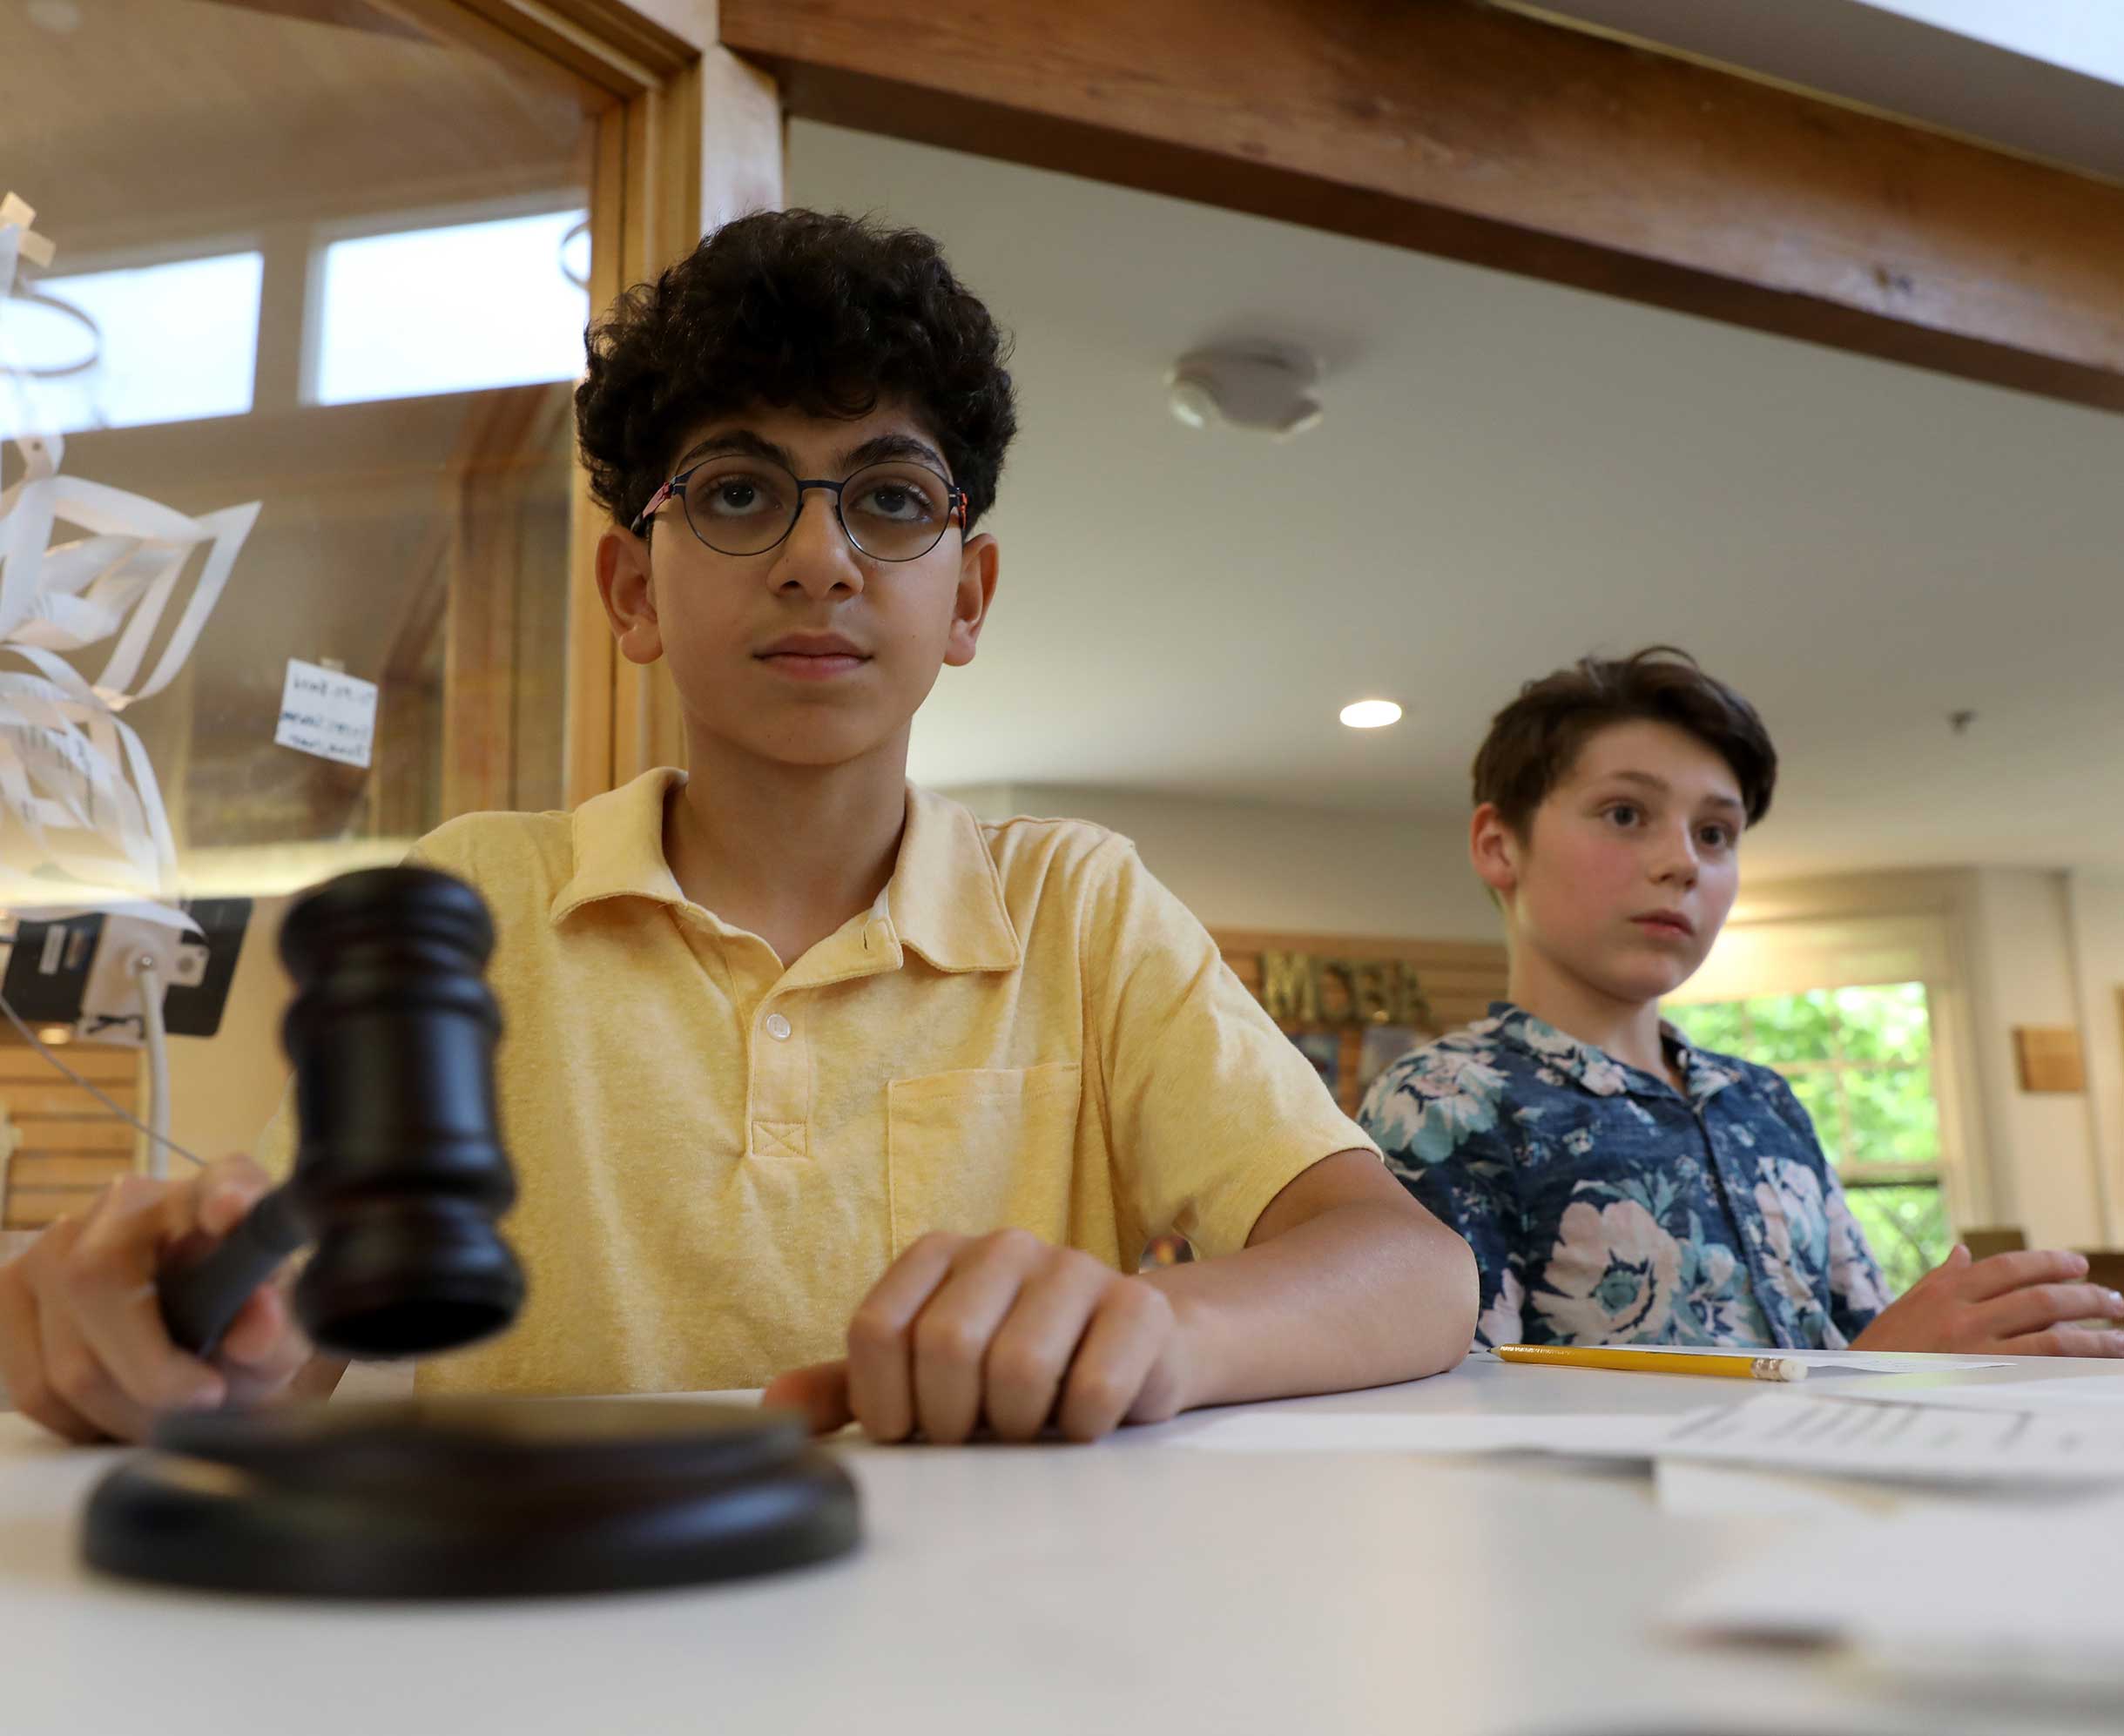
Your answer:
<point x="2044" y="77"/>
<point x="1509" y="476"/>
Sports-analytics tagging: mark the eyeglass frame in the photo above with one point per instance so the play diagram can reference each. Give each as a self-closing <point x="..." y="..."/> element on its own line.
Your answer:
<point x="959" y="507"/>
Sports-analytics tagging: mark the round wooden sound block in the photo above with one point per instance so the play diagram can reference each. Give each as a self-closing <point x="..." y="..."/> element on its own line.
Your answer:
<point x="471" y="1498"/>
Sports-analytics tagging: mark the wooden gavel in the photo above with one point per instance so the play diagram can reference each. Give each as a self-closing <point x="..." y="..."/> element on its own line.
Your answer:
<point x="399" y="1173"/>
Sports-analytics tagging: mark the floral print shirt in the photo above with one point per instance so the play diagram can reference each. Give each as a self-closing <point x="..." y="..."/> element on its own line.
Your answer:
<point x="1606" y="1207"/>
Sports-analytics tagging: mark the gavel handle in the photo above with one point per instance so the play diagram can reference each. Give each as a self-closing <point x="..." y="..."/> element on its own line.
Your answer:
<point x="198" y="1302"/>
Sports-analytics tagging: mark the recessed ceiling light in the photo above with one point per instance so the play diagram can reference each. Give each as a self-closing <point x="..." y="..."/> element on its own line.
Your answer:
<point x="1371" y="714"/>
<point x="55" y="1033"/>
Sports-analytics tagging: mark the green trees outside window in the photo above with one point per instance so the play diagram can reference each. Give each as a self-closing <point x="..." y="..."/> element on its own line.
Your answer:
<point x="1860" y="1061"/>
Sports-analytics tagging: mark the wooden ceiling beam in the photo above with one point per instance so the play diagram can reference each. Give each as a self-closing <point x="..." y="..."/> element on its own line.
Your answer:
<point x="1477" y="134"/>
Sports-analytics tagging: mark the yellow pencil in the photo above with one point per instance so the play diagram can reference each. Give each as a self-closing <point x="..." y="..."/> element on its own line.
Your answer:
<point x="1731" y="1365"/>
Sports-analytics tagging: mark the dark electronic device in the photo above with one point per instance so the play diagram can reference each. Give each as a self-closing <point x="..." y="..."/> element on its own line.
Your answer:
<point x="194" y="1009"/>
<point x="400" y="1176"/>
<point x="48" y="968"/>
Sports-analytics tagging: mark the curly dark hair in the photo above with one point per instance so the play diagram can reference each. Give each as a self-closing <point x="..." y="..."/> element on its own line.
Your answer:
<point x="1535" y="740"/>
<point x="823" y="313"/>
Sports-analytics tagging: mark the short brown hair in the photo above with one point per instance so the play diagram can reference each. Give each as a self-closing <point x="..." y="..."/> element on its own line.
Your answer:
<point x="1536" y="739"/>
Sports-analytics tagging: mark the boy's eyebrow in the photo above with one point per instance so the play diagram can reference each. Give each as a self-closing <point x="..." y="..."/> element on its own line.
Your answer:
<point x="880" y="448"/>
<point x="1660" y="786"/>
<point x="874" y="450"/>
<point x="742" y="441"/>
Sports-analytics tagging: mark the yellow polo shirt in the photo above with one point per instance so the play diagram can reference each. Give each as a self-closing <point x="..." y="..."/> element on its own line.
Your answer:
<point x="718" y="1155"/>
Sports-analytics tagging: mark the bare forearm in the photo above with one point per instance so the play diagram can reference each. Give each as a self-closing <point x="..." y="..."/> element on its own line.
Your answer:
<point x="1361" y="1294"/>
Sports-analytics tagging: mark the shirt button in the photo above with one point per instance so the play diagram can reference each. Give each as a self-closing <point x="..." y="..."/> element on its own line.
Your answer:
<point x="778" y="1027"/>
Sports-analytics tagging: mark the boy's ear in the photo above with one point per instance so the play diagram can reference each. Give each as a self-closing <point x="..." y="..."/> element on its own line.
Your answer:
<point x="1497" y="851"/>
<point x="979" y="563"/>
<point x="629" y="594"/>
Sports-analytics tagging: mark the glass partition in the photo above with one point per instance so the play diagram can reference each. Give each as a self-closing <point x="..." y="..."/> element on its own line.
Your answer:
<point x="337" y="269"/>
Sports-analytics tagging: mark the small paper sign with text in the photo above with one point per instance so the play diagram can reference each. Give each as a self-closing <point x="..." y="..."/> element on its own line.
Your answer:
<point x="328" y="714"/>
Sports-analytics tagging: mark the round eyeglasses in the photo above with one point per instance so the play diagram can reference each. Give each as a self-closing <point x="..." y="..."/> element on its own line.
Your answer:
<point x="895" y="510"/>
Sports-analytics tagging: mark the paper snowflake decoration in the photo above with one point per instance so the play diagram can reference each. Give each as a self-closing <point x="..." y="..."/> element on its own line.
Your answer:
<point x="80" y="808"/>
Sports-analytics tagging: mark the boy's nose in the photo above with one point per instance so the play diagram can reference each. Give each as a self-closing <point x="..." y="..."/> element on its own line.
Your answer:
<point x="816" y="557"/>
<point x="1677" y="861"/>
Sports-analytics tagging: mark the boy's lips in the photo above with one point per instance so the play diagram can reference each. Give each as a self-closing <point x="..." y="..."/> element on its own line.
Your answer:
<point x="1667" y="923"/>
<point x="812" y="656"/>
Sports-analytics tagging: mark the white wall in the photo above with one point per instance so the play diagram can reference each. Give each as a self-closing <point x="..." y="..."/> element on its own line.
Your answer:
<point x="1297" y="869"/>
<point x="2042" y="1143"/>
<point x="2096" y="905"/>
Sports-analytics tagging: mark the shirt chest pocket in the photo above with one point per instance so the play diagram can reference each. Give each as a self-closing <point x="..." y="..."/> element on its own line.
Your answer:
<point x="985" y="1149"/>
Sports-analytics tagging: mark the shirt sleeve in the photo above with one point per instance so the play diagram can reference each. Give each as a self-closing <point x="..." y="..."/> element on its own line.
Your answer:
<point x="1447" y="1149"/>
<point x="1857" y="1291"/>
<point x="1210" y="1109"/>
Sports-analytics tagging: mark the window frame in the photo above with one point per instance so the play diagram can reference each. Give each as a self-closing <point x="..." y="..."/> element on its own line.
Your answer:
<point x="1920" y="916"/>
<point x="1868" y="1175"/>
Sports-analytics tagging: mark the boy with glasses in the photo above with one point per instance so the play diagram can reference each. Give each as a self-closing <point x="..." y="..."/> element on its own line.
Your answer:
<point x="811" y="1078"/>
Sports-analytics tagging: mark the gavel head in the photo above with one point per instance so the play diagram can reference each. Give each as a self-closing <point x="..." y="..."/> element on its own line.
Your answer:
<point x="399" y="1173"/>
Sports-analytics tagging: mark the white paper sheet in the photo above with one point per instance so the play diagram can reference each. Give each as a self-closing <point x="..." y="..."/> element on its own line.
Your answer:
<point x="1995" y="1592"/>
<point x="326" y="713"/>
<point x="1781" y="1432"/>
<point x="1319" y="1431"/>
<point x="1841" y="1361"/>
<point x="2095" y="1396"/>
<point x="1870" y="1437"/>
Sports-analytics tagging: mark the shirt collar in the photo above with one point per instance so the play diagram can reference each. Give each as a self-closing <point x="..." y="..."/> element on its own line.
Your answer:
<point x="945" y="900"/>
<point x="1599" y="1073"/>
<point x="617" y="842"/>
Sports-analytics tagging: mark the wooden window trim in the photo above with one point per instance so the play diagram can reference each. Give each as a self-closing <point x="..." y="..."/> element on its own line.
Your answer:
<point x="686" y="136"/>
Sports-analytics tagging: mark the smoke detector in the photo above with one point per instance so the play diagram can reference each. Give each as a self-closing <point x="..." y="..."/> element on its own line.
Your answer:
<point x="1264" y="387"/>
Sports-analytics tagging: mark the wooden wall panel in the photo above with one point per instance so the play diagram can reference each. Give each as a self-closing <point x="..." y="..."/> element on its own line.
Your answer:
<point x="1457" y="981"/>
<point x="67" y="1145"/>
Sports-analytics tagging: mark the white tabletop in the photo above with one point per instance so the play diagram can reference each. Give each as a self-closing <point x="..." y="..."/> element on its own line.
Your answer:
<point x="1014" y="1590"/>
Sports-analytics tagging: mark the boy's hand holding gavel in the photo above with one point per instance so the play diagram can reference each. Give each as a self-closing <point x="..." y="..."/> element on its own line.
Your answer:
<point x="399" y="1175"/>
<point x="83" y="1348"/>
